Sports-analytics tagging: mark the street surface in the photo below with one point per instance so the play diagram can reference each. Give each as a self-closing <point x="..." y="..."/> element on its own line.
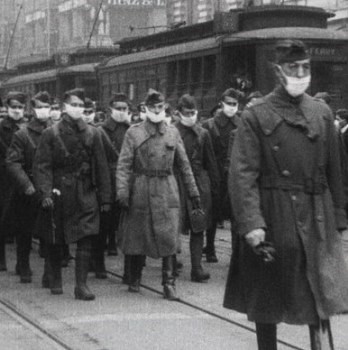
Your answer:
<point x="121" y="320"/>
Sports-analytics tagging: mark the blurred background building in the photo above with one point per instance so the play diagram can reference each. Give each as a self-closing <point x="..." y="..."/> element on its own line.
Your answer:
<point x="46" y="27"/>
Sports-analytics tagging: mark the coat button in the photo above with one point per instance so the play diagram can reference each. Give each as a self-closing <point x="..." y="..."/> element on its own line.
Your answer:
<point x="293" y="197"/>
<point x="276" y="148"/>
<point x="286" y="173"/>
<point x="267" y="131"/>
<point x="320" y="218"/>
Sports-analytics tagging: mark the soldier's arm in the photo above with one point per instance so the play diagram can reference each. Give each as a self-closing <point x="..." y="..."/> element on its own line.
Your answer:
<point x="42" y="165"/>
<point x="125" y="168"/>
<point x="15" y="162"/>
<point x="243" y="176"/>
<point x="182" y="162"/>
<point x="334" y="176"/>
<point x="101" y="169"/>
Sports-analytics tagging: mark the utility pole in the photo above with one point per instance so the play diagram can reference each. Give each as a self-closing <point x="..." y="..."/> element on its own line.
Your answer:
<point x="94" y="24"/>
<point x="48" y="29"/>
<point x="12" y="36"/>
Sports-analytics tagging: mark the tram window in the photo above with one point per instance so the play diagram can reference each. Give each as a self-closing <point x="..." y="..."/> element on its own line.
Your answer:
<point x="196" y="70"/>
<point x="209" y="68"/>
<point x="171" y="74"/>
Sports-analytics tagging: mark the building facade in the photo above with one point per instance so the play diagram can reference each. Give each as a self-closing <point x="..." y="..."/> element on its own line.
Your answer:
<point x="46" y="27"/>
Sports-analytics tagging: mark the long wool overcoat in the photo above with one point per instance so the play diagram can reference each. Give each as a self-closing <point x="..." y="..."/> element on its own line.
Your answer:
<point x="149" y="155"/>
<point x="285" y="177"/>
<point x="200" y="152"/>
<point x="71" y="159"/>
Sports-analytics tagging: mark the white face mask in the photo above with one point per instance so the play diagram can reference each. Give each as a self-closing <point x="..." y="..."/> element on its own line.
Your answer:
<point x="55" y="115"/>
<point x="296" y="86"/>
<point x="42" y="113"/>
<point x="155" y="118"/>
<point x="120" y="117"/>
<point x="142" y="116"/>
<point x="15" y="114"/>
<point x="89" y="118"/>
<point x="229" y="111"/>
<point x="74" y="112"/>
<point x="188" y="121"/>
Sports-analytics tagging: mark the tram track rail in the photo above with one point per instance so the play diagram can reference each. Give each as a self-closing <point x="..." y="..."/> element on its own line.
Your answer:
<point x="29" y="323"/>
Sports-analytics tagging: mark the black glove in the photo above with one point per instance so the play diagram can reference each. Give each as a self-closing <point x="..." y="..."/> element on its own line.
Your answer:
<point x="47" y="203"/>
<point x="196" y="203"/>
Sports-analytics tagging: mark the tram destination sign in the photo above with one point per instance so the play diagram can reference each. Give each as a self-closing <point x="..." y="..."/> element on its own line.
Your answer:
<point x="161" y="3"/>
<point x="321" y="53"/>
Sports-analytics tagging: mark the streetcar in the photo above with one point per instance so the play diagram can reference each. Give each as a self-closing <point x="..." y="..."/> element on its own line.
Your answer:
<point x="59" y="73"/>
<point x="233" y="50"/>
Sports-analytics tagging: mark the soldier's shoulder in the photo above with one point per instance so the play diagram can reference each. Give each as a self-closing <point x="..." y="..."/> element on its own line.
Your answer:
<point x="320" y="107"/>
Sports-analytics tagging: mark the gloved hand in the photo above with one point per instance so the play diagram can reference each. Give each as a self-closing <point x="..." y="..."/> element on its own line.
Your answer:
<point x="105" y="208"/>
<point x="255" y="237"/>
<point x="47" y="203"/>
<point x="30" y="190"/>
<point x="196" y="203"/>
<point x="123" y="203"/>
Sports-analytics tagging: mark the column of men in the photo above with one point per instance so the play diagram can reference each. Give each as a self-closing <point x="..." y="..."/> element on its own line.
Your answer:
<point x="274" y="169"/>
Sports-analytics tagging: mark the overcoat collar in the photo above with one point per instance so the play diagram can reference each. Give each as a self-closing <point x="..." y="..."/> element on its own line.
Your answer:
<point x="37" y="126"/>
<point x="194" y="128"/>
<point x="221" y="119"/>
<point x="152" y="128"/>
<point x="111" y="124"/>
<point x="10" y="124"/>
<point x="78" y="124"/>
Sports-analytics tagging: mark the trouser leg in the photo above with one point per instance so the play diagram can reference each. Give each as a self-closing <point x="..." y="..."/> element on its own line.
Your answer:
<point x="168" y="278"/>
<point x="209" y="249"/>
<point x="266" y="334"/>
<point x="113" y="219"/>
<point x="98" y="256"/>
<point x="126" y="269"/>
<point x="23" y="254"/>
<point x="136" y="264"/>
<point x="54" y="264"/>
<point x="82" y="260"/>
<point x="3" y="266"/>
<point x="196" y="247"/>
<point x="321" y="336"/>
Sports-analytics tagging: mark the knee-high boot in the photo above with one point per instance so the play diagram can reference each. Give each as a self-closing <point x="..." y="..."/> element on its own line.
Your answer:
<point x="196" y="247"/>
<point x="98" y="257"/>
<point x="46" y="280"/>
<point x="321" y="336"/>
<point x="136" y="263"/>
<point x="168" y="278"/>
<point x="23" y="256"/>
<point x="55" y="264"/>
<point x="266" y="336"/>
<point x="126" y="269"/>
<point x="209" y="249"/>
<point x="83" y="256"/>
<point x="3" y="266"/>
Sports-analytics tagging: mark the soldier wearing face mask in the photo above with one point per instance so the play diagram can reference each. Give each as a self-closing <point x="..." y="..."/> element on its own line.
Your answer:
<point x="55" y="111"/>
<point x="286" y="192"/>
<point x="19" y="162"/>
<point x="15" y="102"/>
<point x="148" y="192"/>
<point x="69" y="174"/>
<point x="201" y="155"/>
<point x="220" y="127"/>
<point x="89" y="112"/>
<point x="112" y="131"/>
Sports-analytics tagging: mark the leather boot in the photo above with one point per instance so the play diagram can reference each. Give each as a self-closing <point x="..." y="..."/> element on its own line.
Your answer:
<point x="47" y="275"/>
<point x="196" y="246"/>
<point x="209" y="249"/>
<point x="23" y="248"/>
<point x="55" y="265"/>
<point x="168" y="278"/>
<point x="266" y="336"/>
<point x="3" y="266"/>
<point x="136" y="268"/>
<point x="98" y="258"/>
<point x="321" y="336"/>
<point x="83" y="256"/>
<point x="126" y="269"/>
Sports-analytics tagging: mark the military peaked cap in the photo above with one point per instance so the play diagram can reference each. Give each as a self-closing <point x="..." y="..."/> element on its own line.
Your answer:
<point x="118" y="97"/>
<point x="42" y="96"/>
<point x="187" y="101"/>
<point x="78" y="92"/>
<point x="234" y="93"/>
<point x="16" y="95"/>
<point x="89" y="103"/>
<point x="153" y="97"/>
<point x="291" y="50"/>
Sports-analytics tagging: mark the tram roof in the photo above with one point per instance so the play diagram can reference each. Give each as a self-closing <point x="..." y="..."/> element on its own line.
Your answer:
<point x="166" y="51"/>
<point x="51" y="74"/>
<point x="305" y="33"/>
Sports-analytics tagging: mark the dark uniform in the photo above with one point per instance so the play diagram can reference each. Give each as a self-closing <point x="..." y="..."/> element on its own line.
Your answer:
<point x="8" y="127"/>
<point x="70" y="161"/>
<point x="220" y="128"/>
<point x="285" y="178"/>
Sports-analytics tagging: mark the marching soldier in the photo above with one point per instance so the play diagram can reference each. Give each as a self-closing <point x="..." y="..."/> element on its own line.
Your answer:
<point x="220" y="127"/>
<point x="55" y="112"/>
<point x="8" y="126"/>
<point x="112" y="132"/>
<point x="69" y="171"/>
<point x="89" y="112"/>
<point x="147" y="190"/>
<point x="20" y="156"/>
<point x="287" y="199"/>
<point x="201" y="155"/>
